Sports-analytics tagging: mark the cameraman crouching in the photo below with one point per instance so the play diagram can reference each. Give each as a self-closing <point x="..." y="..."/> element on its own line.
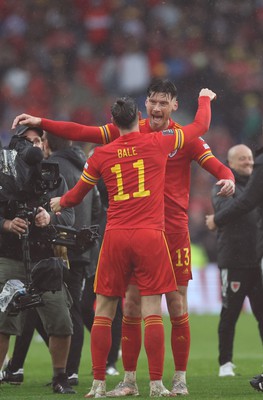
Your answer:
<point x="55" y="314"/>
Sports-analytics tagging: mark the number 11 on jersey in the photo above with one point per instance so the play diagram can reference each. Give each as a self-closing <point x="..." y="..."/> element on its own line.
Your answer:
<point x="139" y="165"/>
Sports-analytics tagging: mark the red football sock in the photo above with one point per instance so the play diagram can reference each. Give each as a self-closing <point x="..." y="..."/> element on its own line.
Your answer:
<point x="131" y="342"/>
<point x="100" y="345"/>
<point x="154" y="345"/>
<point x="180" y="340"/>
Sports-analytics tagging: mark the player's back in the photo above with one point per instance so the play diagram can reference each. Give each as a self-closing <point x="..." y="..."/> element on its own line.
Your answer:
<point x="133" y="169"/>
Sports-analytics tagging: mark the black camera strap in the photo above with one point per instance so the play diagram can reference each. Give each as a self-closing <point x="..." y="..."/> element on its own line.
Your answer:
<point x="26" y="255"/>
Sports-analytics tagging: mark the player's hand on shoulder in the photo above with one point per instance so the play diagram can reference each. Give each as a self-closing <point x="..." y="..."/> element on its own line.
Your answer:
<point x="227" y="187"/>
<point x="207" y="92"/>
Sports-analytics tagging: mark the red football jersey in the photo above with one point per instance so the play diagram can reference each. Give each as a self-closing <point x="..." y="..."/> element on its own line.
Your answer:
<point x="178" y="172"/>
<point x="133" y="169"/>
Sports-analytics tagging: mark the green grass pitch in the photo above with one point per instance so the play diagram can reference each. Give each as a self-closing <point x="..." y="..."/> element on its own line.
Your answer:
<point x="202" y="375"/>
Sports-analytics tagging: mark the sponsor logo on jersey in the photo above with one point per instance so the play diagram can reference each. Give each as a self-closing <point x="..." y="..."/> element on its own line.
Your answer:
<point x="168" y="132"/>
<point x="86" y="165"/>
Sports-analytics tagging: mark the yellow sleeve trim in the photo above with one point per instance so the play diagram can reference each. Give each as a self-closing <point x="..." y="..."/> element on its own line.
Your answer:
<point x="179" y="139"/>
<point x="205" y="156"/>
<point x="88" y="179"/>
<point x="105" y="134"/>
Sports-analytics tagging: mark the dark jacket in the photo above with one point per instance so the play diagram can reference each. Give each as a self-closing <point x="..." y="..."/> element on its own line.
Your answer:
<point x="11" y="245"/>
<point x="251" y="198"/>
<point x="71" y="162"/>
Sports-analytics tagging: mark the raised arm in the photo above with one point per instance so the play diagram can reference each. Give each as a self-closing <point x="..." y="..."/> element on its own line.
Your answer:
<point x="72" y="198"/>
<point x="70" y="130"/>
<point x="202" y="119"/>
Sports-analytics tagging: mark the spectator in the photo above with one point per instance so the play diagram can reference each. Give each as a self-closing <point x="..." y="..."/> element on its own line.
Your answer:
<point x="251" y="197"/>
<point x="71" y="161"/>
<point x="237" y="260"/>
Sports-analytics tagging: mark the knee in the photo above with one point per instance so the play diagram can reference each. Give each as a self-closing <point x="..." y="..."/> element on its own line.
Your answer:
<point x="61" y="326"/>
<point x="132" y="307"/>
<point x="175" y="304"/>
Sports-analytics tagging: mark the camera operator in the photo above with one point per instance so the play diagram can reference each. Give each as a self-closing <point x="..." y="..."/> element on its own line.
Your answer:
<point x="55" y="314"/>
<point x="71" y="160"/>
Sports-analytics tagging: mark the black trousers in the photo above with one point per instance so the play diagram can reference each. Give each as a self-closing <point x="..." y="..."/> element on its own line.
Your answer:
<point x="236" y="285"/>
<point x="74" y="282"/>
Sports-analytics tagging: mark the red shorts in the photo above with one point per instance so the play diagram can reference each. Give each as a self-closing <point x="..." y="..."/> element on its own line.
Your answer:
<point x="141" y="252"/>
<point x="180" y="250"/>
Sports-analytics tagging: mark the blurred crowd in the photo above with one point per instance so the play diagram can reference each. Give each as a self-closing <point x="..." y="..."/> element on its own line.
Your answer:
<point x="68" y="59"/>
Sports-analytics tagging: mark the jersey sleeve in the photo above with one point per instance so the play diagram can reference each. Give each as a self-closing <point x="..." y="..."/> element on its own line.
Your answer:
<point x="197" y="128"/>
<point x="89" y="178"/>
<point x="168" y="140"/>
<point x="203" y="155"/>
<point x="83" y="133"/>
<point x="217" y="169"/>
<point x="201" y="122"/>
<point x="90" y="174"/>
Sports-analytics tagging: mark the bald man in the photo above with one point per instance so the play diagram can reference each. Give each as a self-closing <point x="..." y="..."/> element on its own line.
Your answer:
<point x="237" y="258"/>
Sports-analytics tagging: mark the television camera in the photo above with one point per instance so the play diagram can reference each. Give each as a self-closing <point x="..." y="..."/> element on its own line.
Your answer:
<point x="25" y="181"/>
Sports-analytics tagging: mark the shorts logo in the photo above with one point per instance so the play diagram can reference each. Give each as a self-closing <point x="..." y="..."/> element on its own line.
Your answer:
<point x="235" y="286"/>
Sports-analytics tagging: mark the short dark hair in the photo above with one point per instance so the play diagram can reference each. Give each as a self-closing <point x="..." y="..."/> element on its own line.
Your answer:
<point x="159" y="85"/>
<point x="56" y="143"/>
<point x="124" y="112"/>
